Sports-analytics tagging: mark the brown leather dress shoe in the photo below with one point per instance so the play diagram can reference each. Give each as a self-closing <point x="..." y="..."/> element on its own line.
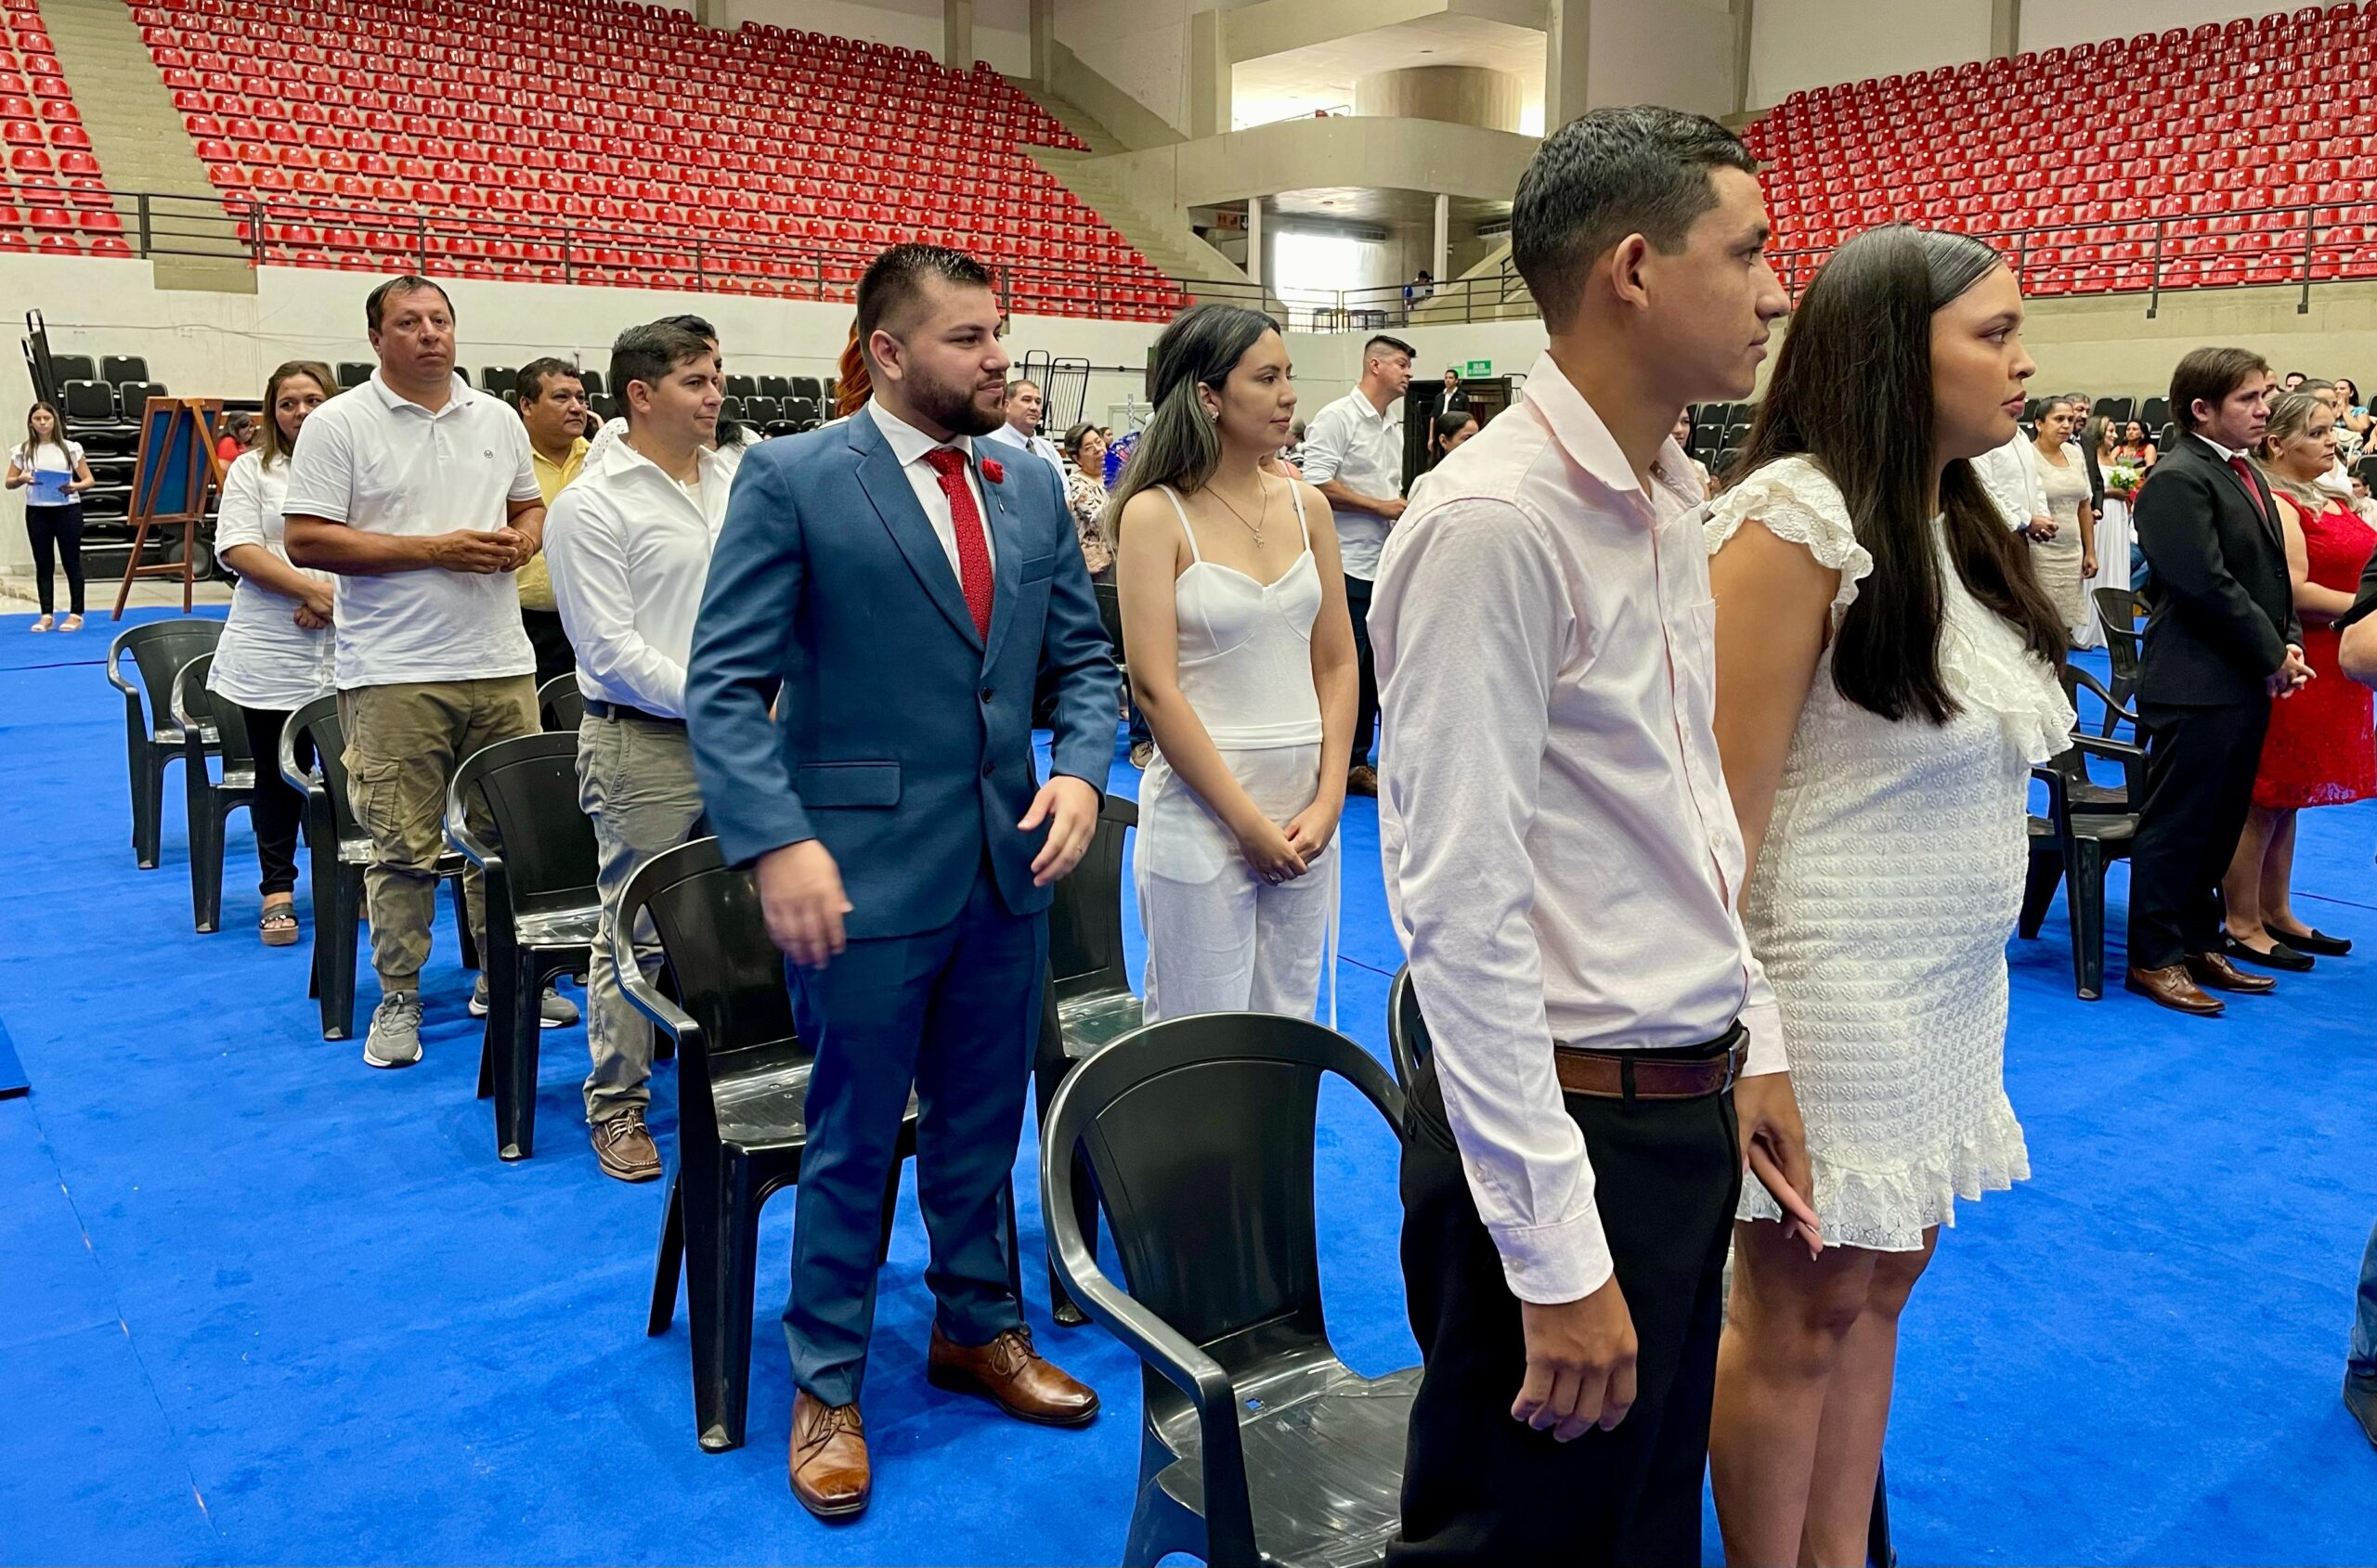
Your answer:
<point x="1361" y="779"/>
<point x="2172" y="987"/>
<point x="2214" y="972"/>
<point x="829" y="1468"/>
<point x="1013" y="1375"/>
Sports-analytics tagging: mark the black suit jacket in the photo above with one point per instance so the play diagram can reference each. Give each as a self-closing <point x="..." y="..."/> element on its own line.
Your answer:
<point x="2224" y="605"/>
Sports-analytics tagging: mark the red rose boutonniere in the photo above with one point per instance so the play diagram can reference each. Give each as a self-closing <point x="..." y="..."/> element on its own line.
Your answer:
<point x="994" y="471"/>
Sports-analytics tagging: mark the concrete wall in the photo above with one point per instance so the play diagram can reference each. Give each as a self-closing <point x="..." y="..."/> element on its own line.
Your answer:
<point x="1001" y="34"/>
<point x="1139" y="46"/>
<point x="1799" y="44"/>
<point x="1679" y="53"/>
<point x="1303" y="154"/>
<point x="2047" y="27"/>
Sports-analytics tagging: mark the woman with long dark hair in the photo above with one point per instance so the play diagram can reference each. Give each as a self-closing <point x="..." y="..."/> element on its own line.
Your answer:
<point x="275" y="654"/>
<point x="1886" y="677"/>
<point x="1242" y="656"/>
<point x="55" y="470"/>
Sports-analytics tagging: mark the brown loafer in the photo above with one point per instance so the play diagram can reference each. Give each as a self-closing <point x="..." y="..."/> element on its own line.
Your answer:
<point x="2172" y="987"/>
<point x="2214" y="972"/>
<point x="1013" y="1375"/>
<point x="1361" y="779"/>
<point x="829" y="1469"/>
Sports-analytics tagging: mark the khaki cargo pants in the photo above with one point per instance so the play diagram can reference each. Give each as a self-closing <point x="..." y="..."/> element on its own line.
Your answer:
<point x="403" y="743"/>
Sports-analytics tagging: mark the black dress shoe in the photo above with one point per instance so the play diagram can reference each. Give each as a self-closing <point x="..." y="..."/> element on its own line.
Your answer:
<point x="2319" y="943"/>
<point x="2214" y="972"/>
<point x="2280" y="955"/>
<point x="2360" y="1398"/>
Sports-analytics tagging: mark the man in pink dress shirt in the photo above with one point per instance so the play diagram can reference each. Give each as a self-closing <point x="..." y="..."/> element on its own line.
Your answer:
<point x="1564" y="871"/>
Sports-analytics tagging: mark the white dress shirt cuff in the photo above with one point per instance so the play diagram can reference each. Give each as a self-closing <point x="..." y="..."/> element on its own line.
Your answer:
<point x="1549" y="1265"/>
<point x="1764" y="1022"/>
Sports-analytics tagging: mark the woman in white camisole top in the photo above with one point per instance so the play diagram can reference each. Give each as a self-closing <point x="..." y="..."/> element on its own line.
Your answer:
<point x="1240" y="654"/>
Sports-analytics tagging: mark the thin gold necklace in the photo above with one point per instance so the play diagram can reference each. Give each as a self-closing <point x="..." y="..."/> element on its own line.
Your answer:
<point x="1254" y="528"/>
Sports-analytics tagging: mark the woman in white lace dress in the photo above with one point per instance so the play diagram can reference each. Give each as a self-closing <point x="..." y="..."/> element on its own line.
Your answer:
<point x="1885" y="678"/>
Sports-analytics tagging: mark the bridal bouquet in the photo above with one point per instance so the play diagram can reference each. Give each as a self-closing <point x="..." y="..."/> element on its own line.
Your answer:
<point x="2124" y="478"/>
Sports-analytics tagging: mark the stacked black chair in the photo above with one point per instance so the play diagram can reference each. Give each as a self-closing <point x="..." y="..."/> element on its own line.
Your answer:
<point x="131" y="399"/>
<point x="591" y="380"/>
<point x="74" y="367"/>
<point x="2154" y="412"/>
<point x="762" y="410"/>
<point x="1110" y="610"/>
<point x="1087" y="1002"/>
<point x="200" y="713"/>
<point x="1257" y="1444"/>
<point x="501" y="379"/>
<point x="606" y="405"/>
<point x="2075" y="842"/>
<point x="742" y="1091"/>
<point x="2117" y="409"/>
<point x="1408" y="1042"/>
<point x="803" y="386"/>
<point x="541" y="905"/>
<point x="93" y="418"/>
<point x="337" y="851"/>
<point x="741" y="386"/>
<point x="121" y="368"/>
<point x="560" y="705"/>
<point x="151" y="739"/>
<point x="800" y="413"/>
<point x="729" y="409"/>
<point x="352" y="374"/>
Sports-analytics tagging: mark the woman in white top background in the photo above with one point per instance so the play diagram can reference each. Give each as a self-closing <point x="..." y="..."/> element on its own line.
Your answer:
<point x="54" y="468"/>
<point x="1886" y="677"/>
<point x="275" y="656"/>
<point x="1242" y="656"/>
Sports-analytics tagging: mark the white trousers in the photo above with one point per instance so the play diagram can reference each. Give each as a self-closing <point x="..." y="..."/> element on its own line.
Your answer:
<point x="1220" y="939"/>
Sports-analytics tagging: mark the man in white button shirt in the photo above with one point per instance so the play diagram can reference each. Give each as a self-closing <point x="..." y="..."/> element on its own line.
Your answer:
<point x="1564" y="869"/>
<point x="419" y="493"/>
<point x="1026" y="404"/>
<point x="629" y="545"/>
<point x="1353" y="450"/>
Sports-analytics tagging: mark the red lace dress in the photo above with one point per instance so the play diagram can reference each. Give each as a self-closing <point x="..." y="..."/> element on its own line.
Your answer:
<point x="2321" y="750"/>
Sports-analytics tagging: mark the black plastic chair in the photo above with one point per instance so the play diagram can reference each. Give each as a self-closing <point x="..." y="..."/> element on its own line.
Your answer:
<point x="198" y="712"/>
<point x="353" y="373"/>
<point x="1257" y="1444"/>
<point x="2117" y="609"/>
<point x="121" y="368"/>
<point x="2082" y="789"/>
<point x="742" y="1091"/>
<point x="1087" y="1002"/>
<point x="1110" y="610"/>
<point x="337" y="851"/>
<point x="541" y="904"/>
<point x="151" y="739"/>
<point x="1406" y="1040"/>
<point x="2074" y="844"/>
<point x="560" y="705"/>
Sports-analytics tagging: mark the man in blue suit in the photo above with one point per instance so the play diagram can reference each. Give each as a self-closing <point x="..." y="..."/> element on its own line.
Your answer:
<point x="894" y="596"/>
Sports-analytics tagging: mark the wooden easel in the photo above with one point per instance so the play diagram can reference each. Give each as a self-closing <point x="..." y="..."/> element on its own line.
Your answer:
<point x="177" y="475"/>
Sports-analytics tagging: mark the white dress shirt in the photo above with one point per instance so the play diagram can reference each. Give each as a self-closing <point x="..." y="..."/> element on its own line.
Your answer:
<point x="909" y="445"/>
<point x="265" y="659"/>
<point x="2012" y="478"/>
<point x="1039" y="446"/>
<point x="629" y="547"/>
<point x="1361" y="448"/>
<point x="1562" y="859"/>
<point x="383" y="465"/>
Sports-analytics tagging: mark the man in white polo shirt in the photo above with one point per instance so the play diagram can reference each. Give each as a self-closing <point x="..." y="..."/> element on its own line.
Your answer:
<point x="1026" y="406"/>
<point x="1354" y="452"/>
<point x="419" y="493"/>
<point x="629" y="545"/>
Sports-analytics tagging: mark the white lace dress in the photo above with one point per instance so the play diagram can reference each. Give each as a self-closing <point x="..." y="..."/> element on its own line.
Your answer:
<point x="1886" y="887"/>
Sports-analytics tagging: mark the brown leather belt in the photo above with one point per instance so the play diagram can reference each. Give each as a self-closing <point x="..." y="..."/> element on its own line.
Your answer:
<point x="1617" y="1075"/>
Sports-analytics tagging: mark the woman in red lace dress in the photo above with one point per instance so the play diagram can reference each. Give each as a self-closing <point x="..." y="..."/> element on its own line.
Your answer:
<point x="2320" y="750"/>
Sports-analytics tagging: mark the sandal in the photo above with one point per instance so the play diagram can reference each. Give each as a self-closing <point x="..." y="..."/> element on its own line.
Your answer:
<point x="71" y="623"/>
<point x="44" y="624"/>
<point x="278" y="926"/>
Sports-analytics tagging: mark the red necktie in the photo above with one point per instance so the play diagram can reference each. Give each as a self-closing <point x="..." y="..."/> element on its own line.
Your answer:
<point x="2245" y="471"/>
<point x="966" y="518"/>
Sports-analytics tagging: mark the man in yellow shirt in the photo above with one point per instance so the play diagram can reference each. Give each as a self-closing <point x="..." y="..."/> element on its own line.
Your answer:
<point x="552" y="405"/>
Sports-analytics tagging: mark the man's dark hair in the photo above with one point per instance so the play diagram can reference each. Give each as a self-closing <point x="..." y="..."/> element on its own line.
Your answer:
<point x="648" y="354"/>
<point x="2294" y="375"/>
<point x="2211" y="374"/>
<point x="528" y="382"/>
<point x="1382" y="341"/>
<point x="1604" y="176"/>
<point x="895" y="280"/>
<point x="697" y="325"/>
<point x="375" y="303"/>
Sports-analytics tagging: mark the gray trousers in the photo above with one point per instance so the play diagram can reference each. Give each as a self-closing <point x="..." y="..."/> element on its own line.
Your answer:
<point x="635" y="782"/>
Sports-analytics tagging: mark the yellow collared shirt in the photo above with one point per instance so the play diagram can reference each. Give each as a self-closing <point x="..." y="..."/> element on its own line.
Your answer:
<point x="535" y="583"/>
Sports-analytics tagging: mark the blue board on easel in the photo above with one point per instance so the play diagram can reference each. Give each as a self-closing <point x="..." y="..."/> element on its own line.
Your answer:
<point x="172" y="442"/>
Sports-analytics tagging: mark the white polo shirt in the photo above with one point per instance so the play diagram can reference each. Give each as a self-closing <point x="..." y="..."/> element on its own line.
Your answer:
<point x="629" y="547"/>
<point x="1361" y="448"/>
<point x="382" y="465"/>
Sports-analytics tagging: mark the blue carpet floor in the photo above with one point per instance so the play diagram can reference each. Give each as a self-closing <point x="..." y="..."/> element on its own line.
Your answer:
<point x="261" y="1304"/>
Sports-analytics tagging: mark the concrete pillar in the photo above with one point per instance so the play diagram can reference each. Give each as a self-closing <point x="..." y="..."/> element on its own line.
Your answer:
<point x="1567" y="47"/>
<point x="1745" y="30"/>
<point x="2005" y="29"/>
<point x="1209" y="77"/>
<point x="958" y="34"/>
<point x="1042" y="24"/>
<point x="1458" y="95"/>
<point x="713" y="14"/>
<point x="1254" y="239"/>
<point x="1440" y="262"/>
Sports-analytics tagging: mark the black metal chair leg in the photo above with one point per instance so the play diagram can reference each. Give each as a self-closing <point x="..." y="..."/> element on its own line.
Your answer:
<point x="472" y="958"/>
<point x="2088" y="908"/>
<point x="721" y="1247"/>
<point x="515" y="1052"/>
<point x="1880" y="1552"/>
<point x="2038" y="890"/>
<point x="668" y="1258"/>
<point x="205" y="848"/>
<point x="338" y="922"/>
<point x="148" y="810"/>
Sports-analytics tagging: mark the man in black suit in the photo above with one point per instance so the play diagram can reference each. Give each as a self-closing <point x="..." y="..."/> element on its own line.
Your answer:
<point x="2222" y="641"/>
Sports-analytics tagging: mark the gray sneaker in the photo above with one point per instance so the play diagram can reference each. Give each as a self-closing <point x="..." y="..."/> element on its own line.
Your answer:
<point x="555" y="1012"/>
<point x="394" y="1037"/>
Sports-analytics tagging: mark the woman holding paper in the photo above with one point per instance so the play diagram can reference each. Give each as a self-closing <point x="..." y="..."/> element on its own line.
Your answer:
<point x="55" y="470"/>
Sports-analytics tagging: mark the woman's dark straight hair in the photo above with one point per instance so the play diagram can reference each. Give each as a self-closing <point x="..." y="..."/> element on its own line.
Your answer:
<point x="1851" y="390"/>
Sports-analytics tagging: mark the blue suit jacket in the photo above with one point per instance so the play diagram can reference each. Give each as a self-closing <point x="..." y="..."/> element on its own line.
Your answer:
<point x="902" y="739"/>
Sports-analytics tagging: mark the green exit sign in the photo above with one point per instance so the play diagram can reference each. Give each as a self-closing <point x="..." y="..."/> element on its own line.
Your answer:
<point x="1478" y="368"/>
